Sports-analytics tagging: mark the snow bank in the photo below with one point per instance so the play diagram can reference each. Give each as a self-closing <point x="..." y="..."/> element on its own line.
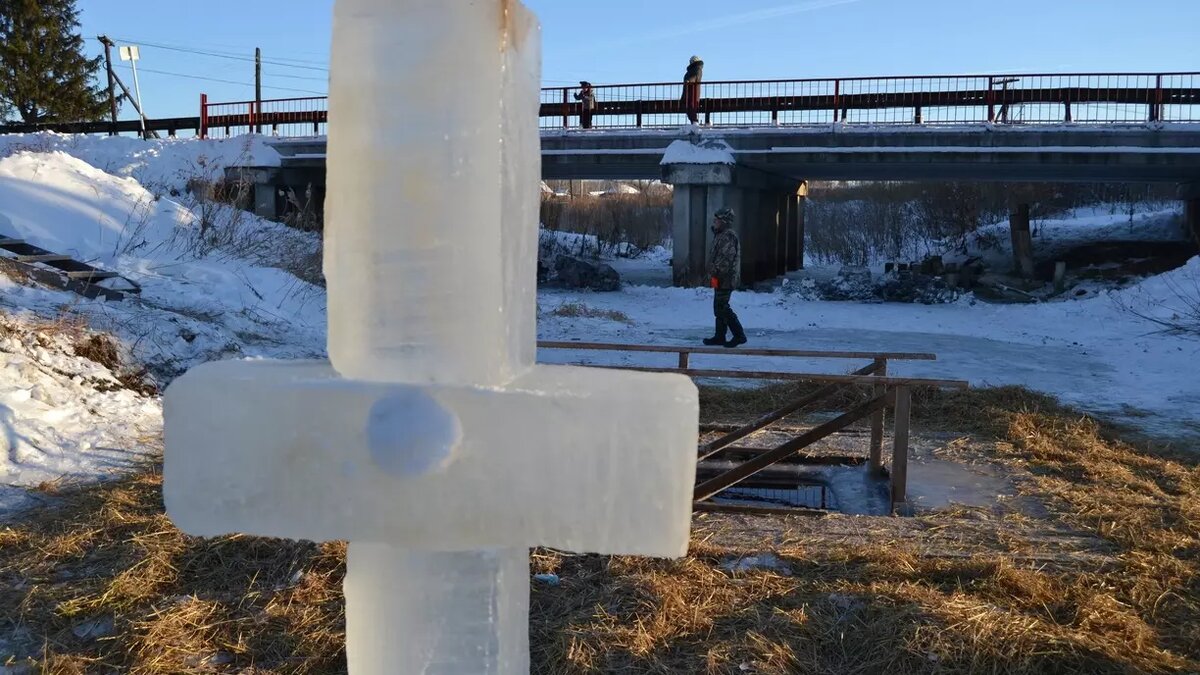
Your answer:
<point x="197" y="302"/>
<point x="711" y="151"/>
<point x="65" y="205"/>
<point x="1172" y="298"/>
<point x="163" y="164"/>
<point x="63" y="415"/>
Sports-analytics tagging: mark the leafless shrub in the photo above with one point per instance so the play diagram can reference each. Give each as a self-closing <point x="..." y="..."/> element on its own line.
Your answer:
<point x="622" y="224"/>
<point x="1178" y="314"/>
<point x="856" y="223"/>
<point x="302" y="212"/>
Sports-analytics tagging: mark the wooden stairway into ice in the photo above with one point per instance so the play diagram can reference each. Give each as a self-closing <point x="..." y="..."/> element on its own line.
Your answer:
<point x="58" y="270"/>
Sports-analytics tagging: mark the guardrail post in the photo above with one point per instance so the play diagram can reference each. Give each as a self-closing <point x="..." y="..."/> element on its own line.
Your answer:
<point x="566" y="110"/>
<point x="640" y="106"/>
<point x="876" y="458"/>
<point x="203" y="130"/>
<point x="918" y="118"/>
<point x="250" y="125"/>
<point x="837" y="99"/>
<point x="991" y="100"/>
<point x="683" y="360"/>
<point x="1067" y="107"/>
<point x="899" y="487"/>
<point x="1156" y="107"/>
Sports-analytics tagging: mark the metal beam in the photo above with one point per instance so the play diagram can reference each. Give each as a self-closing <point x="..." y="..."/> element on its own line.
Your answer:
<point x="799" y="353"/>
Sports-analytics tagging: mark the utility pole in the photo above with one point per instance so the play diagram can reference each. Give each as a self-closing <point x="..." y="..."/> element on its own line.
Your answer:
<point x="258" y="89"/>
<point x="112" y="80"/>
<point x="131" y="54"/>
<point x="1004" y="89"/>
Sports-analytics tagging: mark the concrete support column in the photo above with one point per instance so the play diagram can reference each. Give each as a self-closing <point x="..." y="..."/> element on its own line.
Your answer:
<point x="264" y="201"/>
<point x="750" y="233"/>
<point x="801" y="202"/>
<point x="763" y="224"/>
<point x="261" y="185"/>
<point x="689" y="234"/>
<point x="768" y="206"/>
<point x="1022" y="241"/>
<point x="1192" y="215"/>
<point x="781" y="234"/>
<point x="1190" y="194"/>
<point x="764" y="235"/>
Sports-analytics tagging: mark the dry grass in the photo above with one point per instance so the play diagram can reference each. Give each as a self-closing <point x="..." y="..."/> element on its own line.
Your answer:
<point x="880" y="603"/>
<point x="579" y="310"/>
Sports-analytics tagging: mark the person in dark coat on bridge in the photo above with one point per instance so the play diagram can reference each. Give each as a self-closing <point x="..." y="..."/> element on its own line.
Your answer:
<point x="587" y="96"/>
<point x="724" y="265"/>
<point x="691" y="89"/>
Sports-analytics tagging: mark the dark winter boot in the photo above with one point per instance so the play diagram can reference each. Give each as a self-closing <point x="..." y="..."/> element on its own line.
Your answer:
<point x="739" y="335"/>
<point x="718" y="337"/>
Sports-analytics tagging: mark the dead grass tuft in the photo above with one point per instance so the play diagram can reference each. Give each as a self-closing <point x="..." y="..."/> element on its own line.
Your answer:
<point x="106" y="555"/>
<point x="579" y="310"/>
<point x="99" y="348"/>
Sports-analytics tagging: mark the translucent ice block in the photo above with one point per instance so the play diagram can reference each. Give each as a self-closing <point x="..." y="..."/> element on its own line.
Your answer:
<point x="428" y="612"/>
<point x="434" y="166"/>
<point x="580" y="459"/>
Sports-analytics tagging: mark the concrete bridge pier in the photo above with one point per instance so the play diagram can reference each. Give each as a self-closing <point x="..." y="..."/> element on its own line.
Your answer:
<point x="1190" y="194"/>
<point x="769" y="224"/>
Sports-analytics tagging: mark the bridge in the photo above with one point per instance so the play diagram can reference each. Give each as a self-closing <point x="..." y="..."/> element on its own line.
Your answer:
<point x="761" y="140"/>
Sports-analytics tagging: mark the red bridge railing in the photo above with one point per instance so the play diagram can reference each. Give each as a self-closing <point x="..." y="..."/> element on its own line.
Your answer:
<point x="1084" y="98"/>
<point x="282" y="117"/>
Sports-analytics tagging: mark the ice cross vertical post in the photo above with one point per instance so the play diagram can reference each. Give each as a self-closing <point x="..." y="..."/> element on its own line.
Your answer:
<point x="433" y="443"/>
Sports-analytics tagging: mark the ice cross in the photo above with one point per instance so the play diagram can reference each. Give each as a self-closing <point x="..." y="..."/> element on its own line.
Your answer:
<point x="432" y="442"/>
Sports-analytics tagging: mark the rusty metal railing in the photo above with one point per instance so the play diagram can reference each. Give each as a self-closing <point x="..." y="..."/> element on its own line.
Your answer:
<point x="1075" y="98"/>
<point x="1086" y="98"/>
<point x="306" y="116"/>
<point x="1030" y="98"/>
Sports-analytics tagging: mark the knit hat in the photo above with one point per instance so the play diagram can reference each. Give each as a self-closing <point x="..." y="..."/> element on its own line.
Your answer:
<point x="725" y="216"/>
<point x="695" y="59"/>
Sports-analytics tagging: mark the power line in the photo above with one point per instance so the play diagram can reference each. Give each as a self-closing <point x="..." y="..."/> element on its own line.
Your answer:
<point x="220" y="55"/>
<point x="244" y="84"/>
<point x="237" y="56"/>
<point x="297" y="77"/>
<point x="278" y="61"/>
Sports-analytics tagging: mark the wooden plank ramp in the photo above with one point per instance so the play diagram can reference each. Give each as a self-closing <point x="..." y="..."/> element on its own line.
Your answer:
<point x="59" y="271"/>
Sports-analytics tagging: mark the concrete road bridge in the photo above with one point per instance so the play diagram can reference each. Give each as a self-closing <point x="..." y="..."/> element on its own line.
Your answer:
<point x="759" y="141"/>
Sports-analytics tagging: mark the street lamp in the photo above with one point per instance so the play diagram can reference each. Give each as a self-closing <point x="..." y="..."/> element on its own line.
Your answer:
<point x="131" y="54"/>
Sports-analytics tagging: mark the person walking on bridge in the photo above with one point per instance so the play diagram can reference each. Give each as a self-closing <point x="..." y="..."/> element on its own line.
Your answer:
<point x="691" y="89"/>
<point x="724" y="263"/>
<point x="587" y="96"/>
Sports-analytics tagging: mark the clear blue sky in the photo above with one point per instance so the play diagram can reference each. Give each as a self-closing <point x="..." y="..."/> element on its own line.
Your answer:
<point x="613" y="41"/>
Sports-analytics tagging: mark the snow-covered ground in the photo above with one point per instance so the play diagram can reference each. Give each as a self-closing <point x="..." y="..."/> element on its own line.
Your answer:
<point x="89" y="197"/>
<point x="193" y="308"/>
<point x="1092" y="352"/>
<point x="164" y="164"/>
<point x="63" y="415"/>
<point x="198" y="303"/>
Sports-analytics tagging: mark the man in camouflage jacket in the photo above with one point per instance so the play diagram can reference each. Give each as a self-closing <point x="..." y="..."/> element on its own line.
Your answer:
<point x="724" y="264"/>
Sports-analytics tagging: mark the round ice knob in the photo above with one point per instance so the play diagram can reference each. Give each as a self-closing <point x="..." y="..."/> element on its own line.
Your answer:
<point x="410" y="433"/>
